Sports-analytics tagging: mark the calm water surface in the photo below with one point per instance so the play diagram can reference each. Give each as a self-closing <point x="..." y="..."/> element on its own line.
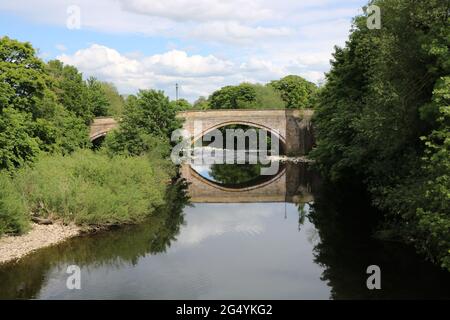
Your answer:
<point x="263" y="250"/>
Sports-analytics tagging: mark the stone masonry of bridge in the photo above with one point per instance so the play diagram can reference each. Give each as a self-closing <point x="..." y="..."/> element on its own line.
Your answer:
<point x="101" y="126"/>
<point x="293" y="126"/>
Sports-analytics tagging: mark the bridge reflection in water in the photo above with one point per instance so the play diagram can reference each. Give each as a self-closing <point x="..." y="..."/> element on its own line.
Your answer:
<point x="294" y="183"/>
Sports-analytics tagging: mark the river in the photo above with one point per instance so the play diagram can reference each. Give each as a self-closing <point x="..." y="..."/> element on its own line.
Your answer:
<point x="290" y="238"/>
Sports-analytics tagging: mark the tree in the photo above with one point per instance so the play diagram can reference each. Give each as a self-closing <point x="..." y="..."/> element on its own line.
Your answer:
<point x="23" y="83"/>
<point x="386" y="90"/>
<point x="181" y="105"/>
<point x="116" y="101"/>
<point x="267" y="97"/>
<point x="99" y="103"/>
<point x="246" y="96"/>
<point x="31" y="120"/>
<point x="233" y="97"/>
<point x="201" y="104"/>
<point x="434" y="212"/>
<point x="295" y="91"/>
<point x="148" y="122"/>
<point x="18" y="144"/>
<point x="71" y="90"/>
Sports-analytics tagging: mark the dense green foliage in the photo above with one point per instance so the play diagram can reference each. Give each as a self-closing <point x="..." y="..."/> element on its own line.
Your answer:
<point x="387" y="92"/>
<point x="116" y="101"/>
<point x="201" y="104"/>
<point x="146" y="125"/>
<point x="86" y="188"/>
<point x="87" y="99"/>
<point x="13" y="215"/>
<point x="246" y="96"/>
<point x="31" y="119"/>
<point x="296" y="92"/>
<point x="97" y="97"/>
<point x="292" y="92"/>
<point x="180" y="105"/>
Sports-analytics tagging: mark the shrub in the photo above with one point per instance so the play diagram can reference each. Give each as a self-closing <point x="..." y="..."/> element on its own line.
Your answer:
<point x="93" y="189"/>
<point x="13" y="217"/>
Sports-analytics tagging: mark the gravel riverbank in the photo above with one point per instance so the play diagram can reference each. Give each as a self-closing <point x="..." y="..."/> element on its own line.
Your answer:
<point x="40" y="236"/>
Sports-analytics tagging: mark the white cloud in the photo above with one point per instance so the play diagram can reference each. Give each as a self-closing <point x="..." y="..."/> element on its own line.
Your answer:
<point x="160" y="71"/>
<point x="61" y="47"/>
<point x="198" y="75"/>
<point x="231" y="21"/>
<point x="200" y="10"/>
<point x="237" y="33"/>
<point x="208" y="222"/>
<point x="200" y="44"/>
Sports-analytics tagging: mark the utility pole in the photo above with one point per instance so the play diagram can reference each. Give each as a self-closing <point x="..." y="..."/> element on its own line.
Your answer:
<point x="176" y="91"/>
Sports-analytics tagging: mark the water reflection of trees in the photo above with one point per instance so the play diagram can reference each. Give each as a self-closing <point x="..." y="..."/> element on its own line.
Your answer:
<point x="232" y="174"/>
<point x="345" y="224"/>
<point x="114" y="248"/>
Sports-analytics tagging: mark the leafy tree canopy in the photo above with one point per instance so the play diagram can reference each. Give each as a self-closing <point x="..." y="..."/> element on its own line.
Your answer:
<point x="148" y="123"/>
<point x="201" y="104"/>
<point x="388" y="88"/>
<point x="296" y="92"/>
<point x="31" y="119"/>
<point x="116" y="101"/>
<point x="181" y="105"/>
<point x="246" y="96"/>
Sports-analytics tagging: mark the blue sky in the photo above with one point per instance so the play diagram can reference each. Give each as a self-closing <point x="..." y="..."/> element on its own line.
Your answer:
<point x="200" y="44"/>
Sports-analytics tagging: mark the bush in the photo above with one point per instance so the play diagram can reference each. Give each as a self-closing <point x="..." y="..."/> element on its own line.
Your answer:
<point x="93" y="189"/>
<point x="13" y="217"/>
<point x="146" y="125"/>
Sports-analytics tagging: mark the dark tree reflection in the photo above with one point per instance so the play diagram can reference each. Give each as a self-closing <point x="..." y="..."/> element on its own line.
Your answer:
<point x="345" y="224"/>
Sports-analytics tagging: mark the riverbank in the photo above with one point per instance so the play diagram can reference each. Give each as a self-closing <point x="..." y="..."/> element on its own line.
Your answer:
<point x="40" y="236"/>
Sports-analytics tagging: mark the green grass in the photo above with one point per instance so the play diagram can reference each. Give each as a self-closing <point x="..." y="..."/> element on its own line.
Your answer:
<point x="86" y="188"/>
<point x="13" y="216"/>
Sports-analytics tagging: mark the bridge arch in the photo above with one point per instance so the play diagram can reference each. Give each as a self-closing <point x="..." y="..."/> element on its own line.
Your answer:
<point x="251" y="124"/>
<point x="98" y="135"/>
<point x="100" y="128"/>
<point x="293" y="127"/>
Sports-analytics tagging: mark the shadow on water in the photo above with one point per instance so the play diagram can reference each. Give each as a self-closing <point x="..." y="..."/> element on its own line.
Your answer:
<point x="345" y="222"/>
<point x="114" y="249"/>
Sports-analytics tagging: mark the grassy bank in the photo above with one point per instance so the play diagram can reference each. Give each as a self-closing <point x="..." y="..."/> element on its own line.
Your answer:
<point x="86" y="188"/>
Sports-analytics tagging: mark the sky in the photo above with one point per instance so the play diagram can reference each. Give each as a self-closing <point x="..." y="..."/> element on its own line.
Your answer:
<point x="200" y="44"/>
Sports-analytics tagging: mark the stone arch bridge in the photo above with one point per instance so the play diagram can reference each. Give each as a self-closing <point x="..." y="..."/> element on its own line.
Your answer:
<point x="293" y="126"/>
<point x="292" y="184"/>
